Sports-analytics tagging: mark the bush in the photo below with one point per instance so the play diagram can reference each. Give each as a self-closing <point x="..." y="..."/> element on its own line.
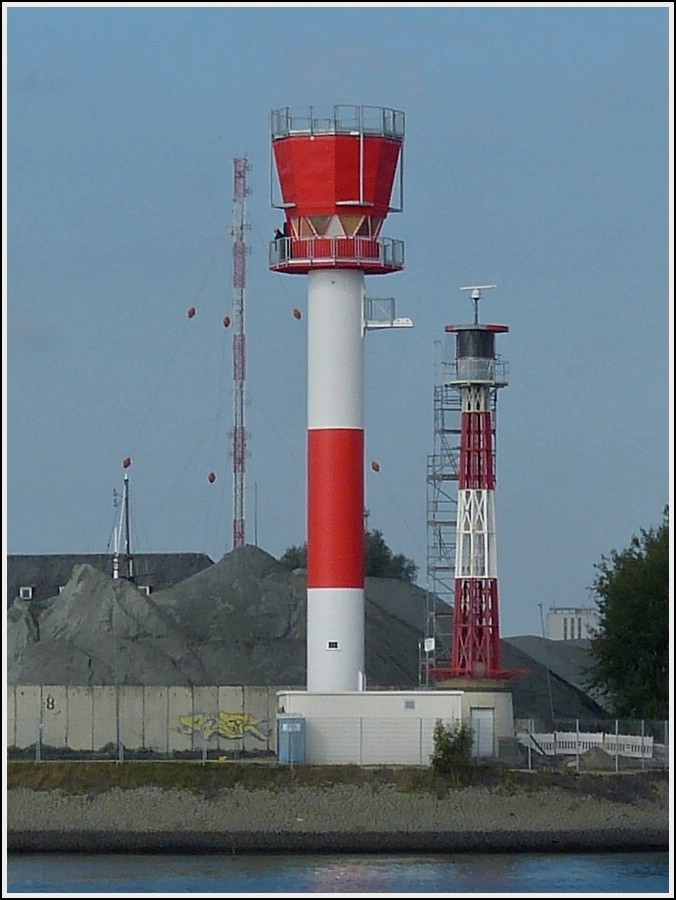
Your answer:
<point x="452" y="748"/>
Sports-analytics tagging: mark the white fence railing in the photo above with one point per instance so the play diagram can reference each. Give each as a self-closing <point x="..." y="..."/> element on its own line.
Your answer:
<point x="570" y="743"/>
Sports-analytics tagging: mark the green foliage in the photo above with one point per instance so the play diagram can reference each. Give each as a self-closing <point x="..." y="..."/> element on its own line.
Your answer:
<point x="631" y="647"/>
<point x="452" y="748"/>
<point x="295" y="557"/>
<point x="379" y="561"/>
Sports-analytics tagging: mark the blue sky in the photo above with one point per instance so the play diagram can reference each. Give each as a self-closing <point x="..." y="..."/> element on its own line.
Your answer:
<point x="536" y="158"/>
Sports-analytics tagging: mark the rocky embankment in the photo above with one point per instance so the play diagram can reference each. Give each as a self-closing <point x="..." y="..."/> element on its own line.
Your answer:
<point x="341" y="818"/>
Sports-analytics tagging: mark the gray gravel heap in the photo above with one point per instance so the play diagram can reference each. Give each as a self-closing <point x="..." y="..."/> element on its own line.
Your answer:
<point x="242" y="621"/>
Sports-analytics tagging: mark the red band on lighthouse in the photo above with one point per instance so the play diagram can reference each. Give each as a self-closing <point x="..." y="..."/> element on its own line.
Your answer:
<point x="335" y="508"/>
<point x="476" y="628"/>
<point x="477" y="466"/>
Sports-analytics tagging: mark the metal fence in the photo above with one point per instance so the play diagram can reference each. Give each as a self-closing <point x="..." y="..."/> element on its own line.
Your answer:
<point x="612" y="744"/>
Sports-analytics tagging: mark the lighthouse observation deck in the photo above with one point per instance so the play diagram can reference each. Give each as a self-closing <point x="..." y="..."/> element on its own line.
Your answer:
<point x="337" y="169"/>
<point x="473" y="370"/>
<point x="374" y="256"/>
<point x="341" y="119"/>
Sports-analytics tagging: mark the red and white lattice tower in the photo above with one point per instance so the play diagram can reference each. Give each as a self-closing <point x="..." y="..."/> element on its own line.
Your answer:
<point x="239" y="432"/>
<point x="476" y="374"/>
<point x="336" y="169"/>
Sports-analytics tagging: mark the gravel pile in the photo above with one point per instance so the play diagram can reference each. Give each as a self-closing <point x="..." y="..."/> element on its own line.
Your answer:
<point x="241" y="621"/>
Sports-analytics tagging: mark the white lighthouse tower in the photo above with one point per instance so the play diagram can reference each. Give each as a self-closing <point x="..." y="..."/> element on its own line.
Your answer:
<point x="336" y="169"/>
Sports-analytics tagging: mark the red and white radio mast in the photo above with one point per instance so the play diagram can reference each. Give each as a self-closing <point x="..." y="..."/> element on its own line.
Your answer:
<point x="239" y="432"/>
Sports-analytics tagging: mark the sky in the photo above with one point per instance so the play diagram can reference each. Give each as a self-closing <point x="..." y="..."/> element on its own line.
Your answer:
<point x="536" y="158"/>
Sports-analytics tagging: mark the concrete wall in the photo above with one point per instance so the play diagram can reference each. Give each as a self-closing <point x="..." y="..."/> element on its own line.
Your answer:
<point x="163" y="719"/>
<point x="365" y="728"/>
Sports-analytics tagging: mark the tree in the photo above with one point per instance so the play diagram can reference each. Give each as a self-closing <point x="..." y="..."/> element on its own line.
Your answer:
<point x="630" y="649"/>
<point x="295" y="557"/>
<point x="379" y="561"/>
<point x="452" y="747"/>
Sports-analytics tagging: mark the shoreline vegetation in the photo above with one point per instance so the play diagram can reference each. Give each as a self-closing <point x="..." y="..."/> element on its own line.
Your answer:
<point x="235" y="808"/>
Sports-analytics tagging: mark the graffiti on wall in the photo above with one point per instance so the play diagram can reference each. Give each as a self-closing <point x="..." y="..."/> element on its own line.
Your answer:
<point x="226" y="724"/>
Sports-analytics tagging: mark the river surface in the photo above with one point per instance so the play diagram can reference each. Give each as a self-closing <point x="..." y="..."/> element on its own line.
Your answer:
<point x="487" y="874"/>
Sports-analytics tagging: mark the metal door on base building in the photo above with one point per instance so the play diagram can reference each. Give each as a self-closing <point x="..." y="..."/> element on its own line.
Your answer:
<point x="482" y="723"/>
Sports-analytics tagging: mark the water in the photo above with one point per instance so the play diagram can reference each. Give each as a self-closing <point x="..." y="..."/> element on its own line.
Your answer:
<point x="487" y="874"/>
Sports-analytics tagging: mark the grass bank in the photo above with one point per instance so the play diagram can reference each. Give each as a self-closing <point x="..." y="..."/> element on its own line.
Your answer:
<point x="89" y="777"/>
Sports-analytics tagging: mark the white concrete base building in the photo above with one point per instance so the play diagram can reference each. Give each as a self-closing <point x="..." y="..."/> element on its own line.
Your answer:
<point x="388" y="727"/>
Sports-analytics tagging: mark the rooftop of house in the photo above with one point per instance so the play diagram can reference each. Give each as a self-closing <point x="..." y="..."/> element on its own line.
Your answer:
<point x="40" y="576"/>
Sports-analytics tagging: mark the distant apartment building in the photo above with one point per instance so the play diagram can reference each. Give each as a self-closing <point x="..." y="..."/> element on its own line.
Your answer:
<point x="571" y="623"/>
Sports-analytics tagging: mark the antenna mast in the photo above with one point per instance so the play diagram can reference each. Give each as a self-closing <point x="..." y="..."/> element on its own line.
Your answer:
<point x="476" y="290"/>
<point x="122" y="533"/>
<point x="239" y="432"/>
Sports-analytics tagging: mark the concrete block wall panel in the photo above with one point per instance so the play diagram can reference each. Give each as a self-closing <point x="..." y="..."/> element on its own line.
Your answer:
<point x="180" y="710"/>
<point x="205" y="725"/>
<point x="105" y="712"/>
<point x="11" y="716"/>
<point x="54" y="715"/>
<point x="80" y="712"/>
<point x="132" y="725"/>
<point x="156" y="718"/>
<point x="230" y="712"/>
<point x="257" y="724"/>
<point x="28" y="714"/>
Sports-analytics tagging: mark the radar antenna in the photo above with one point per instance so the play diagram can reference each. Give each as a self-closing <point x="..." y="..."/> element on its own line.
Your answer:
<point x="476" y="290"/>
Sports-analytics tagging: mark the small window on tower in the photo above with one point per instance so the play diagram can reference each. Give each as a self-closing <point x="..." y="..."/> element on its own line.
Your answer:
<point x="318" y="224"/>
<point x="376" y="224"/>
<point x="353" y="224"/>
<point x="26" y="593"/>
<point x="364" y="229"/>
<point x="332" y="645"/>
<point x="334" y="228"/>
